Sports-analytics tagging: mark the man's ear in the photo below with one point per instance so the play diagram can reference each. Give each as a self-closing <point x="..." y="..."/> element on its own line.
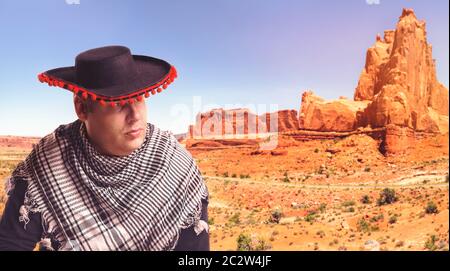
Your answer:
<point x="80" y="108"/>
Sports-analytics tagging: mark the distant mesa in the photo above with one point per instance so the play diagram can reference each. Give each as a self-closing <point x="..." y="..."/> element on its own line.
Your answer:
<point x="21" y="142"/>
<point x="220" y="123"/>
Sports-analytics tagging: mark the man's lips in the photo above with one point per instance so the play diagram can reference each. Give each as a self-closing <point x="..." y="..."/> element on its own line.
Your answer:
<point x="134" y="131"/>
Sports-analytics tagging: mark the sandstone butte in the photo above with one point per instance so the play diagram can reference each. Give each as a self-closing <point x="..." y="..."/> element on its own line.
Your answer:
<point x="219" y="122"/>
<point x="397" y="90"/>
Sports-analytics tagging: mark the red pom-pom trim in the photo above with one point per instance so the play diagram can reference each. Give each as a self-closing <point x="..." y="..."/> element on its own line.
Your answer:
<point x="175" y="72"/>
<point x="102" y="103"/>
<point x="113" y="101"/>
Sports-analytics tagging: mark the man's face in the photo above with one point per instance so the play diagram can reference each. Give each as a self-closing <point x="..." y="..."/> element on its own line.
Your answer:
<point x="115" y="130"/>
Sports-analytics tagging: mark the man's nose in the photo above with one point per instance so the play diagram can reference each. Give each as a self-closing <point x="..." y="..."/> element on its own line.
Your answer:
<point x="133" y="111"/>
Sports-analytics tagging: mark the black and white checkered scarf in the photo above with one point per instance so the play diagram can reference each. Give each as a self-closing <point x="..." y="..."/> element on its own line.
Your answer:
<point x="89" y="201"/>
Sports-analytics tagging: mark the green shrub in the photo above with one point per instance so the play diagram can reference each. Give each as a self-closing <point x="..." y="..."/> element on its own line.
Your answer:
<point x="286" y="177"/>
<point x="350" y="210"/>
<point x="393" y="219"/>
<point x="348" y="203"/>
<point x="322" y="207"/>
<point x="310" y="217"/>
<point x="244" y="242"/>
<point x="431" y="208"/>
<point x="262" y="245"/>
<point x="235" y="219"/>
<point x="377" y="218"/>
<point x="365" y="199"/>
<point x="275" y="216"/>
<point x="365" y="226"/>
<point x="430" y="244"/>
<point x="387" y="196"/>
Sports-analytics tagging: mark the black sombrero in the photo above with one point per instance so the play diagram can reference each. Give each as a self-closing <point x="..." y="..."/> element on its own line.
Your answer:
<point x="111" y="75"/>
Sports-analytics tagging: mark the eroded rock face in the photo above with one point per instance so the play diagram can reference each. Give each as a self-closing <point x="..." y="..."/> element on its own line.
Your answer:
<point x="287" y="120"/>
<point x="398" y="139"/>
<point x="398" y="85"/>
<point x="337" y="115"/>
<point x="397" y="89"/>
<point x="376" y="56"/>
<point x="400" y="79"/>
<point x="220" y="122"/>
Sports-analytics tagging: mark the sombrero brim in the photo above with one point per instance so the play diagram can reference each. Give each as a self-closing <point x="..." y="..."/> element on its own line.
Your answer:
<point x="153" y="76"/>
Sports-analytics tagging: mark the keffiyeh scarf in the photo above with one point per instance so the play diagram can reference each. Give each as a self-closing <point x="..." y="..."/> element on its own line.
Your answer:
<point x="89" y="201"/>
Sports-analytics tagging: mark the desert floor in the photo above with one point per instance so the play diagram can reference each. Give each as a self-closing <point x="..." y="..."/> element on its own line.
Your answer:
<point x="318" y="187"/>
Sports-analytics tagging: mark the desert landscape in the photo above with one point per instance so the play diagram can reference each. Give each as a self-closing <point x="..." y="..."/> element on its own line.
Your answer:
<point x="368" y="173"/>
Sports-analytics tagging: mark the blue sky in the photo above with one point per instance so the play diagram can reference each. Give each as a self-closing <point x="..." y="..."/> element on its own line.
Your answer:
<point x="230" y="53"/>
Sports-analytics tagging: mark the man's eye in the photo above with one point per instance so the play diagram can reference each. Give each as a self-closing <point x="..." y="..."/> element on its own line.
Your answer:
<point x="116" y="108"/>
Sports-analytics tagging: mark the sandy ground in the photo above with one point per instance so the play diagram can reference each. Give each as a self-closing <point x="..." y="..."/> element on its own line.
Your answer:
<point x="329" y="178"/>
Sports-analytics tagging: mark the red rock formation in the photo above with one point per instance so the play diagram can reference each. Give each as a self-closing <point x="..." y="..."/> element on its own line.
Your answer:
<point x="398" y="139"/>
<point x="400" y="79"/>
<point x="220" y="122"/>
<point x="398" y="86"/>
<point x="375" y="57"/>
<point x="287" y="120"/>
<point x="191" y="131"/>
<point x="338" y="115"/>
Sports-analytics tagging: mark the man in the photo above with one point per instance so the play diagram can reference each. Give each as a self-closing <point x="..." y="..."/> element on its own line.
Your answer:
<point x="109" y="180"/>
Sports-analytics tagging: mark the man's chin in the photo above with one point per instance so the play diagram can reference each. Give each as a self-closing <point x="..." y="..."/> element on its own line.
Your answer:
<point x="134" y="144"/>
